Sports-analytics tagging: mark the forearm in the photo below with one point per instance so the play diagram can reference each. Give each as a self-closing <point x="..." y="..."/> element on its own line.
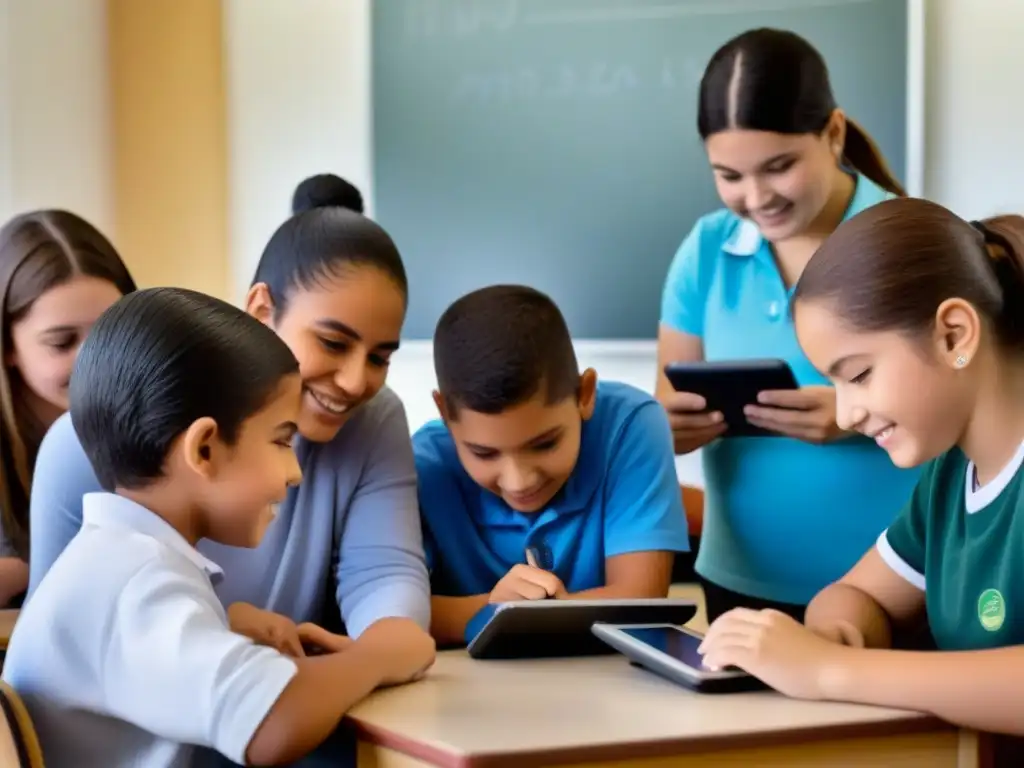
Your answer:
<point x="983" y="690"/>
<point x="13" y="578"/>
<point x="839" y="603"/>
<point x="303" y="715"/>
<point x="450" y="615"/>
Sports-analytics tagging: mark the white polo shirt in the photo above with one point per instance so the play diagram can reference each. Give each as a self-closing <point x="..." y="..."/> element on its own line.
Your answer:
<point x="124" y="656"/>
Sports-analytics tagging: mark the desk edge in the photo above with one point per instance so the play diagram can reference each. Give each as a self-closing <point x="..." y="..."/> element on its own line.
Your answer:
<point x="435" y="755"/>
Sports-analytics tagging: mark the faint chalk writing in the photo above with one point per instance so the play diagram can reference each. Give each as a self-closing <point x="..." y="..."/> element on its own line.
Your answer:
<point x="459" y="18"/>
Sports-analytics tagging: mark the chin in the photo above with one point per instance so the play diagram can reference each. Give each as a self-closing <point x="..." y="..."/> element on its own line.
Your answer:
<point x="316" y="429"/>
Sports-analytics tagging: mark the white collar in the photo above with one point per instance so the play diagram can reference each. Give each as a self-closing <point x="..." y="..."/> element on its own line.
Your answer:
<point x="108" y="510"/>
<point x="976" y="499"/>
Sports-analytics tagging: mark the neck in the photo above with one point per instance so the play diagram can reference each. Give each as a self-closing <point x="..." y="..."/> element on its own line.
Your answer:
<point x="163" y="502"/>
<point x="996" y="428"/>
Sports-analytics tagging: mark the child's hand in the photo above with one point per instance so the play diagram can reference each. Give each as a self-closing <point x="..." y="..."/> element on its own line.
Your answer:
<point x="774" y="648"/>
<point x="524" y="582"/>
<point x="266" y="628"/>
<point x="316" y="640"/>
<point x="404" y="651"/>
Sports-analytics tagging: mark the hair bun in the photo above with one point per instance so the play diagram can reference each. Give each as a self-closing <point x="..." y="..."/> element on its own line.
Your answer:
<point x="326" y="190"/>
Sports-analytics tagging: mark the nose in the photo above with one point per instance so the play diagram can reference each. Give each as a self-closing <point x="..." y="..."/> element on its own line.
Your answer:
<point x="758" y="194"/>
<point x="351" y="377"/>
<point x="516" y="477"/>
<point x="849" y="413"/>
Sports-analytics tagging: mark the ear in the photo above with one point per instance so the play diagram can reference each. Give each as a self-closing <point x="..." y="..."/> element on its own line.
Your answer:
<point x="198" y="447"/>
<point x="588" y="393"/>
<point x="835" y="133"/>
<point x="260" y="304"/>
<point x="957" y="334"/>
<point x="442" y="407"/>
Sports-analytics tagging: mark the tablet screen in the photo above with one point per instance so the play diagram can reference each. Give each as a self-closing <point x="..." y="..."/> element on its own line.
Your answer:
<point x="673" y="642"/>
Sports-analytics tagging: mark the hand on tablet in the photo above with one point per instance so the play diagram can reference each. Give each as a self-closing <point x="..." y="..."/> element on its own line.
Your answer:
<point x="691" y="427"/>
<point x="774" y="648"/>
<point x="808" y="413"/>
<point x="524" y="582"/>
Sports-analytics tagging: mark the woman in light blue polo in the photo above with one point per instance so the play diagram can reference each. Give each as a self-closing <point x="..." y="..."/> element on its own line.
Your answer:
<point x="786" y="515"/>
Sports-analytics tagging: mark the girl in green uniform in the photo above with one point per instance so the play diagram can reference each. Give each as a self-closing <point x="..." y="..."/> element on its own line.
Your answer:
<point x="917" y="316"/>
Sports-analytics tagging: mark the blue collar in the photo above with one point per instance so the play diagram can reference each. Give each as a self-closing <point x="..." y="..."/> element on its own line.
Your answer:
<point x="747" y="239"/>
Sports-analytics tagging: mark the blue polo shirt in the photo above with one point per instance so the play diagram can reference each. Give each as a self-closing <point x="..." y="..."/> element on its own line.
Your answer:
<point x="783" y="518"/>
<point x="623" y="496"/>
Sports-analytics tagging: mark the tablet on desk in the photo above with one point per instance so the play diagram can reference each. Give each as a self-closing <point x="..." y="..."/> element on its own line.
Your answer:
<point x="531" y="629"/>
<point x="729" y="386"/>
<point x="671" y="652"/>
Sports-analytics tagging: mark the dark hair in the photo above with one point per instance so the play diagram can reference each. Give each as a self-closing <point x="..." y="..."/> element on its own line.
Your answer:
<point x="496" y="347"/>
<point x="324" y="242"/>
<point x="890" y="267"/>
<point x="39" y="251"/>
<point x="157" y="361"/>
<point x="774" y="80"/>
<point x="325" y="190"/>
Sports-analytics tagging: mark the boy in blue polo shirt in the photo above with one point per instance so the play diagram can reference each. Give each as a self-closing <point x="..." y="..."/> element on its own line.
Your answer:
<point x="538" y="482"/>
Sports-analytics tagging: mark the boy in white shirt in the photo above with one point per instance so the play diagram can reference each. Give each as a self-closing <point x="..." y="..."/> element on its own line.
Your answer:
<point x="186" y="408"/>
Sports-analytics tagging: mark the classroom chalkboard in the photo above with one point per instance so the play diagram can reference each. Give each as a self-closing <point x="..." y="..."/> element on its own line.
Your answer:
<point x="554" y="142"/>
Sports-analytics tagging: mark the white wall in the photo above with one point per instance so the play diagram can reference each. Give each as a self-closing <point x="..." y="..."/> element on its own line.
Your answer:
<point x="55" y="146"/>
<point x="973" y="150"/>
<point x="298" y="86"/>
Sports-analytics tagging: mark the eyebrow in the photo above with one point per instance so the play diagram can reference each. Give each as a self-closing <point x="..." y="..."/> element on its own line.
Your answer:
<point x="335" y="326"/>
<point x="59" y="329"/>
<point x="542" y="437"/>
<point x="766" y="163"/>
<point x="837" y="365"/>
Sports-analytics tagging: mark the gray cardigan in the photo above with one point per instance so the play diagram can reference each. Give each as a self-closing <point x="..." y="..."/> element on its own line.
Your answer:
<point x="352" y="525"/>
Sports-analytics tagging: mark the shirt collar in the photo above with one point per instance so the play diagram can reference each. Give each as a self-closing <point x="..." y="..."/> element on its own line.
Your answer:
<point x="746" y="240"/>
<point x="108" y="510"/>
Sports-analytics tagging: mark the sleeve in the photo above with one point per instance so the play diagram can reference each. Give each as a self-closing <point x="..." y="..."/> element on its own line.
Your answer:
<point x="644" y="506"/>
<point x="381" y="569"/>
<point x="62" y="476"/>
<point x="173" y="668"/>
<point x="903" y="544"/>
<point x="684" y="294"/>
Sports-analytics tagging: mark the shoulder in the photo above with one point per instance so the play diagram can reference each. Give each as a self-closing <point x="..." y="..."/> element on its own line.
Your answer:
<point x="434" y="450"/>
<point x="624" y="414"/>
<point x="61" y="445"/>
<point x="385" y="409"/>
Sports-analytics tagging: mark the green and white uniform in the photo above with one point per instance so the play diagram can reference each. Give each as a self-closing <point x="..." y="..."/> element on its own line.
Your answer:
<point x="964" y="546"/>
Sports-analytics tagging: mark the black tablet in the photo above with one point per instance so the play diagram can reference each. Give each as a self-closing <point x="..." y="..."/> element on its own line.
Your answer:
<point x="730" y="385"/>
<point x="532" y="629"/>
<point x="671" y="652"/>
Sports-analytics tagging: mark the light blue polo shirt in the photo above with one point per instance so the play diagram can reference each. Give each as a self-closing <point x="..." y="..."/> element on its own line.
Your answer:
<point x="623" y="496"/>
<point x="783" y="518"/>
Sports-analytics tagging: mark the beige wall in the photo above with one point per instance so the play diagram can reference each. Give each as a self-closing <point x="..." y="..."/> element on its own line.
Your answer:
<point x="169" y="168"/>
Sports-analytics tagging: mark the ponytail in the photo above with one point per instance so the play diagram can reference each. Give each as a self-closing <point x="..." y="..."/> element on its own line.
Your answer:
<point x="861" y="152"/>
<point x="1003" y="238"/>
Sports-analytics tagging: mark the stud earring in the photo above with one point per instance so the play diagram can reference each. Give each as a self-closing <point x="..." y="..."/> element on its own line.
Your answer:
<point x="961" y="361"/>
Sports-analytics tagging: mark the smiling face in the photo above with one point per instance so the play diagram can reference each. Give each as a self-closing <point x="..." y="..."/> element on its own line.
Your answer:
<point x="526" y="453"/>
<point x="343" y="331"/>
<point x="901" y="391"/>
<point x="45" y="340"/>
<point x="781" y="182"/>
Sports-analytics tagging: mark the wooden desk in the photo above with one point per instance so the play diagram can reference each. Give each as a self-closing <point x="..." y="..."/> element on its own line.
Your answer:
<point x="603" y="712"/>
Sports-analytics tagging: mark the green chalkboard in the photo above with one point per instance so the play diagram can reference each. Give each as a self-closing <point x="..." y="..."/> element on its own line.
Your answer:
<point x="554" y="142"/>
